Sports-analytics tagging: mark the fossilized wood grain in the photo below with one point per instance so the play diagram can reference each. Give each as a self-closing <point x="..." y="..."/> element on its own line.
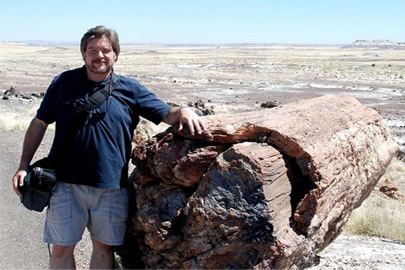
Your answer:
<point x="262" y="189"/>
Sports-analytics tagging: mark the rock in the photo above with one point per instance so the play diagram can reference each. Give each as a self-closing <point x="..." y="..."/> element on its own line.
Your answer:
<point x="260" y="189"/>
<point x="146" y="130"/>
<point x="11" y="92"/>
<point x="401" y="155"/>
<point x="270" y="104"/>
<point x="37" y="95"/>
<point x="201" y="108"/>
<point x="390" y="190"/>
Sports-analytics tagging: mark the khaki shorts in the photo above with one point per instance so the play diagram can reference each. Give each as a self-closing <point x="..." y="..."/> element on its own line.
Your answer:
<point x="73" y="207"/>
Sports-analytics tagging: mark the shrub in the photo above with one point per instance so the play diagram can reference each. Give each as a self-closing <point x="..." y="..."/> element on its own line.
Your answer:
<point x="379" y="215"/>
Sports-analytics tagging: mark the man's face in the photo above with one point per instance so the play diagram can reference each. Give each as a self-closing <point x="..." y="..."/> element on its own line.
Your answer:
<point x="99" y="56"/>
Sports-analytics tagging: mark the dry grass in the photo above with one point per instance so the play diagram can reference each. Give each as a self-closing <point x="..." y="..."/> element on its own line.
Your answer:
<point x="396" y="174"/>
<point x="17" y="120"/>
<point x="379" y="215"/>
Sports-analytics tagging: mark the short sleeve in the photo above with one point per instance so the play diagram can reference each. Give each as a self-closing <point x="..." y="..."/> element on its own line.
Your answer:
<point x="47" y="111"/>
<point x="150" y="106"/>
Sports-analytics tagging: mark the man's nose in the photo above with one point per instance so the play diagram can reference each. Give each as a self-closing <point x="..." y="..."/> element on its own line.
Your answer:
<point x="100" y="54"/>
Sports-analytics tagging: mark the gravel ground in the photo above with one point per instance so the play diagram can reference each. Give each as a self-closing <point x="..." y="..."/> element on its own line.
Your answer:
<point x="361" y="252"/>
<point x="21" y="244"/>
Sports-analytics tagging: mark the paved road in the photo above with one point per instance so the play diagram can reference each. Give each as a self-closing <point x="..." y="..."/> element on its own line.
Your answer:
<point x="21" y="245"/>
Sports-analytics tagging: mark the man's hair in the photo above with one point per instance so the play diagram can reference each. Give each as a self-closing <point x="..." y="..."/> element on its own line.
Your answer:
<point x="97" y="32"/>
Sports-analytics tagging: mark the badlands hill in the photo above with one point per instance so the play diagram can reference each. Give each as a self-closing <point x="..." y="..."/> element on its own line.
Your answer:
<point x="380" y="43"/>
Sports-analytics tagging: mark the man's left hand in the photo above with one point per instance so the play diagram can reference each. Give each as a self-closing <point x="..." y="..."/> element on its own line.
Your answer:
<point x="190" y="119"/>
<point x="185" y="117"/>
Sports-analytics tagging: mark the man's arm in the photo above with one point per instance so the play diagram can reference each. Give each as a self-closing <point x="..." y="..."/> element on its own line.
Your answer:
<point x="33" y="137"/>
<point x="185" y="116"/>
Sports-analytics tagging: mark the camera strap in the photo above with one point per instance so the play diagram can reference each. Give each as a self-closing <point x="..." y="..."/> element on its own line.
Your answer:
<point x="99" y="96"/>
<point x="94" y="101"/>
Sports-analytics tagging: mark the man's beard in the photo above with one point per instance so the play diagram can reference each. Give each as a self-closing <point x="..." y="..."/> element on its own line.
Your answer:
<point x="95" y="68"/>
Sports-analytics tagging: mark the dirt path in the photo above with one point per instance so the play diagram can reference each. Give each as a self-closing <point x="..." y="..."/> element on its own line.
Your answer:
<point x="362" y="252"/>
<point x="21" y="230"/>
<point x="21" y="245"/>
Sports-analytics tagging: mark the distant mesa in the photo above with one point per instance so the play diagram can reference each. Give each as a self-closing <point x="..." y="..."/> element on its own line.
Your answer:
<point x="382" y="43"/>
<point x="379" y="42"/>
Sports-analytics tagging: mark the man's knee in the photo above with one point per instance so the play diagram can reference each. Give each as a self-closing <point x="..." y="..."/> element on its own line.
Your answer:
<point x="102" y="256"/>
<point x="60" y="252"/>
<point x="101" y="247"/>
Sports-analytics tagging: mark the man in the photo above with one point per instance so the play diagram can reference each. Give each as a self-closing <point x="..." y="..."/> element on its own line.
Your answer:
<point x="92" y="165"/>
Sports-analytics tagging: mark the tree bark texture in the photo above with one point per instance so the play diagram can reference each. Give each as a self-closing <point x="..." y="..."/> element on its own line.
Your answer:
<point x="260" y="189"/>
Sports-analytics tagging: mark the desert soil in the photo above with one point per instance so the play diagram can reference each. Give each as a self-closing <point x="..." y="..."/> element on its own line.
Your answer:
<point x="224" y="78"/>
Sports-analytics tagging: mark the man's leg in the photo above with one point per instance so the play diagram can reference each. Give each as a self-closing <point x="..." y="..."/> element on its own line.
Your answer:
<point x="102" y="256"/>
<point x="107" y="224"/>
<point x="62" y="257"/>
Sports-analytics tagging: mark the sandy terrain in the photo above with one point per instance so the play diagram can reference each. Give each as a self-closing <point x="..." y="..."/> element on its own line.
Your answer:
<point x="233" y="78"/>
<point x="228" y="78"/>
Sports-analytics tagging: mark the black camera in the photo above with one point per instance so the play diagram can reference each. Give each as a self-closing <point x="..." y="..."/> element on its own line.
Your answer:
<point x="40" y="179"/>
<point x="37" y="187"/>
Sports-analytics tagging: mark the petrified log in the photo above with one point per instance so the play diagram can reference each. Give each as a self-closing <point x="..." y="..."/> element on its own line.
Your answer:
<point x="261" y="189"/>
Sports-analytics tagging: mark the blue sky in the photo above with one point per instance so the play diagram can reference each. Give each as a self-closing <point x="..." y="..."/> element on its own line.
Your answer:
<point x="206" y="21"/>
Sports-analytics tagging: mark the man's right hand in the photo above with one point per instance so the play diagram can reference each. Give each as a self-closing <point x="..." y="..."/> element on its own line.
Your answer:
<point x="18" y="180"/>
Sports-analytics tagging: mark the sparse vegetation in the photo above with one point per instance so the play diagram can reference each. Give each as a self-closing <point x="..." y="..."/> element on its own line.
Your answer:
<point x="380" y="215"/>
<point x="17" y="120"/>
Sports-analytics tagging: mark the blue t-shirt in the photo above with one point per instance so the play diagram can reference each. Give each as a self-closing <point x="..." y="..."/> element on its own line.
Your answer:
<point x="98" y="152"/>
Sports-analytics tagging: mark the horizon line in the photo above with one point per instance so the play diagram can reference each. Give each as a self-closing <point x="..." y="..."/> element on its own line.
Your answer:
<point x="77" y="43"/>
